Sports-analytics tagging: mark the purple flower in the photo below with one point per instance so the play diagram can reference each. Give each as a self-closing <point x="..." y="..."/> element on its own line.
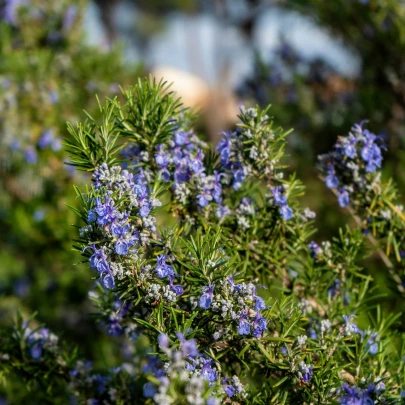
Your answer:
<point x="206" y="296"/>
<point x="286" y="212"/>
<point x="259" y="326"/>
<point x="145" y="209"/>
<point x="343" y="197"/>
<point x="163" y="341"/>
<point x="181" y="138"/>
<point x="204" y="199"/>
<point x="162" y="159"/>
<point x="70" y="17"/>
<point x="91" y="216"/>
<point x="349" y="146"/>
<point x="31" y="156"/>
<point x="106" y="212"/>
<point x="177" y="289"/>
<point x="229" y="389"/>
<point x="149" y="390"/>
<point x="99" y="261"/>
<point x="351" y="327"/>
<point x="331" y="180"/>
<point x="305" y="372"/>
<point x="244" y="325"/>
<point x="188" y="347"/>
<point x="114" y="329"/>
<point x="280" y="200"/>
<point x="314" y="249"/>
<point x="162" y="269"/>
<point x="278" y="195"/>
<point x="224" y="148"/>
<point x="208" y="372"/>
<point x="45" y="139"/>
<point x="238" y="177"/>
<point x="333" y="289"/>
<point x="372" y="345"/>
<point x="36" y="350"/>
<point x="355" y="396"/>
<point x="222" y="211"/>
<point x="259" y="303"/>
<point x="371" y="152"/>
<point x="11" y="9"/>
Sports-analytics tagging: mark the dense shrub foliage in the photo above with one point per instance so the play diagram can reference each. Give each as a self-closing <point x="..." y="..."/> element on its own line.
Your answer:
<point x="204" y="261"/>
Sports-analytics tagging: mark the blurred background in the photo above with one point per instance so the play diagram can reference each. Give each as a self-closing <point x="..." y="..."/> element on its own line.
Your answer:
<point x="322" y="65"/>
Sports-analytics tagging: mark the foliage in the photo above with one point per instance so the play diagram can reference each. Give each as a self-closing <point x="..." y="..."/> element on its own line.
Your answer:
<point x="208" y="256"/>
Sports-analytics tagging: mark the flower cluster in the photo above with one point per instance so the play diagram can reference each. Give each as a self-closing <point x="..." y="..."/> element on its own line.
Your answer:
<point x="121" y="196"/>
<point x="95" y="388"/>
<point x="253" y="149"/>
<point x="354" y="159"/>
<point x="237" y="303"/>
<point x="281" y="201"/>
<point x="354" y="395"/>
<point x="181" y="161"/>
<point x="156" y="292"/>
<point x="40" y="340"/>
<point x="193" y="371"/>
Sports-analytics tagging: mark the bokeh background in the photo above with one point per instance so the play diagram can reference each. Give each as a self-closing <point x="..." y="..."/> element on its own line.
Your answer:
<point x="322" y="65"/>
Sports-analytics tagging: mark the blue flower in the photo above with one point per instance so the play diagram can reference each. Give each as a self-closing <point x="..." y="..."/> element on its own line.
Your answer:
<point x="162" y="269"/>
<point x="106" y="212"/>
<point x="224" y="148"/>
<point x="145" y="209"/>
<point x="36" y="350"/>
<point x="343" y="197"/>
<point x="278" y="195"/>
<point x="222" y="211"/>
<point x="281" y="201"/>
<point x="31" y="156"/>
<point x="208" y="372"/>
<point x="371" y="152"/>
<point x="244" y="325"/>
<point x="188" y="347"/>
<point x="350" y="327"/>
<point x="206" y="296"/>
<point x="349" y="146"/>
<point x="238" y="177"/>
<point x="177" y="289"/>
<point x="372" y="345"/>
<point x="91" y="216"/>
<point x="162" y="159"/>
<point x="45" y="139"/>
<point x="355" y="396"/>
<point x="181" y="138"/>
<point x="70" y="17"/>
<point x="305" y="372"/>
<point x="114" y="329"/>
<point x="229" y="390"/>
<point x="149" y="390"/>
<point x="259" y="303"/>
<point x="286" y="212"/>
<point x="99" y="261"/>
<point x="333" y="289"/>
<point x="314" y="249"/>
<point x="259" y="326"/>
<point x="331" y="180"/>
<point x="163" y="341"/>
<point x="204" y="199"/>
<point x="11" y="10"/>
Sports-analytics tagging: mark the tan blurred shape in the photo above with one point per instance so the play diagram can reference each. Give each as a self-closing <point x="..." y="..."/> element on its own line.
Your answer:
<point x="217" y="106"/>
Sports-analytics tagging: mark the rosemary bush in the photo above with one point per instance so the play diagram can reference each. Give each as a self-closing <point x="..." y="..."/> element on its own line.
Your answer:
<point x="206" y="271"/>
<point x="48" y="75"/>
